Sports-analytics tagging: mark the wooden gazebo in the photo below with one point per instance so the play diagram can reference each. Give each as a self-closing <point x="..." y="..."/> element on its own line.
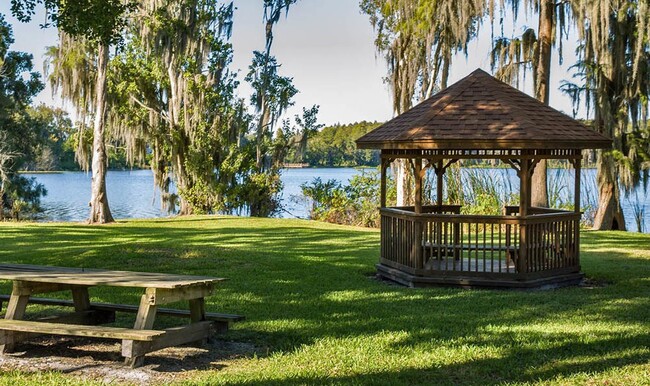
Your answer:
<point x="480" y="117"/>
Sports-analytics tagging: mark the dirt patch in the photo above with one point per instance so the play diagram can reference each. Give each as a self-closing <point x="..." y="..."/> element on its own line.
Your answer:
<point x="101" y="360"/>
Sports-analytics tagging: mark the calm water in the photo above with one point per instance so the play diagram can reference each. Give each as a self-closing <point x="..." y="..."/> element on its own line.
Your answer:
<point x="132" y="194"/>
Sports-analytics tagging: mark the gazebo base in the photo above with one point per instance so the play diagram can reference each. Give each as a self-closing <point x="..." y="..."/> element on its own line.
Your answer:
<point x="410" y="280"/>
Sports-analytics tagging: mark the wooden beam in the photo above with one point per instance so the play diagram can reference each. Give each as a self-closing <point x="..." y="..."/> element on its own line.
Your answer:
<point x="77" y="330"/>
<point x="384" y="166"/>
<point x="15" y="310"/>
<point x="80" y="298"/>
<point x="417" y="174"/>
<point x="440" y="172"/>
<point x="524" y="205"/>
<point x="576" y="203"/>
<point x="172" y="337"/>
<point x="129" y="308"/>
<point x="158" y="296"/>
<point x="143" y="321"/>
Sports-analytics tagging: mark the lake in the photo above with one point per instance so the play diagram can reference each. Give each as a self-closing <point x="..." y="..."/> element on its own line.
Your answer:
<point x="132" y="193"/>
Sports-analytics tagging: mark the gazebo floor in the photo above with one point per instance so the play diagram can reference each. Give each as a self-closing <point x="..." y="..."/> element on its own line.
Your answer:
<point x="451" y="278"/>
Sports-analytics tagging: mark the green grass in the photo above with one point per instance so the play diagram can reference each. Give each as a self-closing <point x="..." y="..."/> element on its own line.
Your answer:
<point x="316" y="315"/>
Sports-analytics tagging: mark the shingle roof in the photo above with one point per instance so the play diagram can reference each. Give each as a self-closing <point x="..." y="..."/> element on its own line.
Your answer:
<point x="481" y="112"/>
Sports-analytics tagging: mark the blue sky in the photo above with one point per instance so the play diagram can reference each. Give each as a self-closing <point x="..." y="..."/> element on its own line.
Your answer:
<point x="327" y="47"/>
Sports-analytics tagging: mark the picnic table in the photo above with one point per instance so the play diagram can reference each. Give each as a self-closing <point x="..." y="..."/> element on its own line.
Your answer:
<point x="87" y="318"/>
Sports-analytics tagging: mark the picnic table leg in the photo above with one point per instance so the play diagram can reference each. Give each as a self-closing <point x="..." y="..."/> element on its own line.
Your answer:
<point x="81" y="299"/>
<point x="197" y="314"/>
<point x="143" y="321"/>
<point x="15" y="310"/>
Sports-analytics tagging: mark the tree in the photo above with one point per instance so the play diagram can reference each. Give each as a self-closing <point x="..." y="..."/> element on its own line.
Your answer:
<point x="265" y="80"/>
<point x="18" y="138"/>
<point x="99" y="24"/>
<point x="614" y="72"/>
<point x="418" y="39"/>
<point x="334" y="146"/>
<point x="173" y="92"/>
<point x="57" y="133"/>
<point x="308" y="127"/>
<point x="272" y="95"/>
<point x="533" y="51"/>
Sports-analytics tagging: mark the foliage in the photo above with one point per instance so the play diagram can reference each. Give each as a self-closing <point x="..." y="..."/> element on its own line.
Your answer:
<point x="355" y="204"/>
<point x="19" y="136"/>
<point x="335" y="146"/>
<point x="96" y="20"/>
<point x="479" y="191"/>
<point x="614" y="80"/>
<point x="56" y="149"/>
<point x="89" y="26"/>
<point x="418" y="39"/>
<point x="177" y="102"/>
<point x="314" y="314"/>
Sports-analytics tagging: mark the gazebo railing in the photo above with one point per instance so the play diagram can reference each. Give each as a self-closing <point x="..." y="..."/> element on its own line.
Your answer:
<point x="444" y="242"/>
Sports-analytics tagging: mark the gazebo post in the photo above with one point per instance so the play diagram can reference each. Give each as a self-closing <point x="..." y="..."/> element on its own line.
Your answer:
<point x="417" y="244"/>
<point x="524" y="205"/>
<point x="440" y="171"/>
<point x="384" y="165"/>
<point x="417" y="174"/>
<point x="576" y="204"/>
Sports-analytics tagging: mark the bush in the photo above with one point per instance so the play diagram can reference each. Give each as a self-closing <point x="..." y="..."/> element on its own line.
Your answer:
<point x="355" y="204"/>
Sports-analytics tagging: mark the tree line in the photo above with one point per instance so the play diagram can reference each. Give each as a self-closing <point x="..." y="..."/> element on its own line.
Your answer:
<point x="152" y="79"/>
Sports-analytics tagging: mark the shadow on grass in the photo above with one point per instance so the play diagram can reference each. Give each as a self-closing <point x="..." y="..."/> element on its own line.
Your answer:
<point x="299" y="283"/>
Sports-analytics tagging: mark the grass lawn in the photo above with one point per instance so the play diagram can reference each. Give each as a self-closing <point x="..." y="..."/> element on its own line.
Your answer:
<point x="316" y="315"/>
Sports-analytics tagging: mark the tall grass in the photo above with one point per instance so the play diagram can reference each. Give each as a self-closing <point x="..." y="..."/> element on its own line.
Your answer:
<point x="480" y="191"/>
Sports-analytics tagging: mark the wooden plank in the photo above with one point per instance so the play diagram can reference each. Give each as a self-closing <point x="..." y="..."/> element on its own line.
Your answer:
<point x="78" y="330"/>
<point x="128" y="308"/>
<point x="80" y="298"/>
<point x="15" y="310"/>
<point x="172" y="337"/>
<point x="21" y="287"/>
<point x="158" y="296"/>
<point x="143" y="321"/>
<point x="94" y="277"/>
<point x="94" y="317"/>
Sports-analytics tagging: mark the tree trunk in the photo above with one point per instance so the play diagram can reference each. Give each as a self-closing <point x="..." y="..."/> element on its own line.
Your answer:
<point x="404" y="191"/>
<point x="2" y="204"/>
<point x="99" y="210"/>
<point x="609" y="215"/>
<point x="539" y="192"/>
<point x="261" y="134"/>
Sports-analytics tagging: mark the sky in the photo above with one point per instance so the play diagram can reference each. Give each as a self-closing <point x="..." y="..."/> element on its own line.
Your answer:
<point x="328" y="49"/>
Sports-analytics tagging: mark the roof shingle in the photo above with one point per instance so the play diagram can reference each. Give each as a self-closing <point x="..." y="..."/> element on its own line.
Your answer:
<point x="481" y="112"/>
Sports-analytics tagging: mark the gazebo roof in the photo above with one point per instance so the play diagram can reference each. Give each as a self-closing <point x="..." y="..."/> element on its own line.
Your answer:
<point x="481" y="112"/>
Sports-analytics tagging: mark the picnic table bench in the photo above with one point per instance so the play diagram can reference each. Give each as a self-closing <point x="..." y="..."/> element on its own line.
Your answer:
<point x="86" y="320"/>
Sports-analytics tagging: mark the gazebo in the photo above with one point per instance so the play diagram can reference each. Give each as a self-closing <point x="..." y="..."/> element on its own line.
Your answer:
<point x="480" y="117"/>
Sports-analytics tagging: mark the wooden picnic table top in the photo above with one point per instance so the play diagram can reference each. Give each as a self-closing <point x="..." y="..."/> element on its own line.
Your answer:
<point x="94" y="277"/>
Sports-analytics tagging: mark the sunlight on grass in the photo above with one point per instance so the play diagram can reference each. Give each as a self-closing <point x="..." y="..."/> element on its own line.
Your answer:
<point x="315" y="315"/>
